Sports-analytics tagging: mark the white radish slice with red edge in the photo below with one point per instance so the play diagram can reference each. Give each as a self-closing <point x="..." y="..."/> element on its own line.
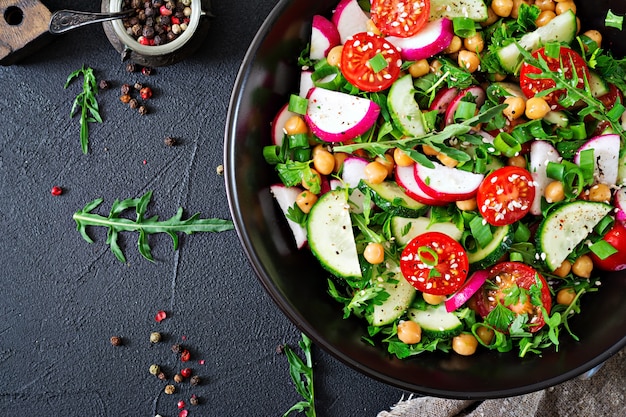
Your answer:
<point x="352" y="173"/>
<point x="433" y="38"/>
<point x="286" y="198"/>
<point x="324" y="36"/>
<point x="405" y="177"/>
<point x="443" y="99"/>
<point x="469" y="288"/>
<point x="349" y="19"/>
<point x="606" y="157"/>
<point x="541" y="153"/>
<point x="334" y="116"/>
<point x="620" y="205"/>
<point x="446" y="183"/>
<point x="278" y="125"/>
<point x="478" y="95"/>
<point x="306" y="83"/>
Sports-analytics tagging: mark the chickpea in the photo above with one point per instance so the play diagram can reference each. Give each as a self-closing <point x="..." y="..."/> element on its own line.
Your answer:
<point x="565" y="296"/>
<point x="435" y="67"/>
<point x="499" y="77"/>
<point x="536" y="108"/>
<point x="334" y="56"/>
<point x="374" y="253"/>
<point x="401" y="158"/>
<point x="564" y="269"/>
<point x="492" y="17"/>
<point x="564" y="6"/>
<point x="323" y="161"/>
<point x="317" y="178"/>
<point x="554" y="192"/>
<point x="446" y="160"/>
<point x="371" y="27"/>
<point x="467" y="205"/>
<point x="485" y="334"/>
<point x="583" y="266"/>
<point x="468" y="60"/>
<point x="419" y="68"/>
<point x="600" y="192"/>
<point x="305" y="201"/>
<point x="388" y="162"/>
<point x="595" y="36"/>
<point x="433" y="299"/>
<point x="516" y="107"/>
<point x="502" y="8"/>
<point x="464" y="344"/>
<point x="409" y="332"/>
<point x="544" y="5"/>
<point x="340" y="157"/>
<point x="455" y="45"/>
<point x="295" y="125"/>
<point x="429" y="150"/>
<point x="517" y="161"/>
<point x="375" y="172"/>
<point x="516" y="5"/>
<point x="544" y="18"/>
<point x="474" y="43"/>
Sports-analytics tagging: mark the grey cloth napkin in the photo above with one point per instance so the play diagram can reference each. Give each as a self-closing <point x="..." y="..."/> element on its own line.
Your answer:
<point x="603" y="394"/>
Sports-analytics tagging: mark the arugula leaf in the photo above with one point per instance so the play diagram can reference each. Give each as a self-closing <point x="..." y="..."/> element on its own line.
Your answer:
<point x="145" y="226"/>
<point x="302" y="376"/>
<point x="86" y="100"/>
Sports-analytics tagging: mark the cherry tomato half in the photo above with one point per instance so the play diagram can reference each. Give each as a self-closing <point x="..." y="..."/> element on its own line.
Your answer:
<point x="434" y="263"/>
<point x="398" y="17"/>
<point x="568" y="61"/>
<point x="505" y="195"/>
<point x="500" y="286"/>
<point x="617" y="238"/>
<point x="358" y="50"/>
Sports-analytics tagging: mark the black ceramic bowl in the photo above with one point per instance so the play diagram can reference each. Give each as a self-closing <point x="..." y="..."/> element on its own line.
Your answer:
<point x="297" y="284"/>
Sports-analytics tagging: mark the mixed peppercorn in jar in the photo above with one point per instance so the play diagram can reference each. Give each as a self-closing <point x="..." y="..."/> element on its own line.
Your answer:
<point x="157" y="22"/>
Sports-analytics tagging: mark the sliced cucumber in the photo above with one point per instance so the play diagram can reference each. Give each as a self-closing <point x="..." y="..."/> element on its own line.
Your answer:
<point x="331" y="239"/>
<point x="473" y="9"/>
<point x="562" y="29"/>
<point x="390" y="197"/>
<point x="435" y="321"/>
<point x="404" y="229"/>
<point x="511" y="89"/>
<point x="565" y="227"/>
<point x="482" y="257"/>
<point x="597" y="85"/>
<point x="557" y="117"/>
<point x="401" y="295"/>
<point x="404" y="110"/>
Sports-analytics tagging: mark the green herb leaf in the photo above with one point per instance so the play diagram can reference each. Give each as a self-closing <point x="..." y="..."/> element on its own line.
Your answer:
<point x="613" y="20"/>
<point x="145" y="226"/>
<point x="302" y="376"/>
<point x="87" y="102"/>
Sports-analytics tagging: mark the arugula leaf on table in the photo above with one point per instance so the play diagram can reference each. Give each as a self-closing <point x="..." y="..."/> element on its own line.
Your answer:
<point x="86" y="100"/>
<point x="302" y="376"/>
<point x="145" y="226"/>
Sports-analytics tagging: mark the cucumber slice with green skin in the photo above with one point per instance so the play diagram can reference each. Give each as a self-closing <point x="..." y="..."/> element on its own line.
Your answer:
<point x="405" y="229"/>
<point x="565" y="227"/>
<point x="329" y="229"/>
<point x="403" y="108"/>
<point x="597" y="85"/>
<point x="483" y="257"/>
<point x="435" y="321"/>
<point x="561" y="29"/>
<point x="401" y="295"/>
<point x="390" y="197"/>
<point x="472" y="9"/>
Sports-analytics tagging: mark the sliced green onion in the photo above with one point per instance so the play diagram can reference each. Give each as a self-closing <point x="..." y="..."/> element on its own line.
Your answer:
<point x="507" y="144"/>
<point x="603" y="249"/>
<point x="464" y="27"/>
<point x="613" y="20"/>
<point x="481" y="232"/>
<point x="522" y="233"/>
<point x="328" y="77"/>
<point x="555" y="171"/>
<point x="604" y="225"/>
<point x="433" y="258"/>
<point x="301" y="140"/>
<point x="298" y="104"/>
<point x="482" y="158"/>
<point x="272" y="154"/>
<point x="587" y="164"/>
<point x="616" y="112"/>
<point x="378" y="62"/>
<point x="553" y="49"/>
<point x="516" y="257"/>
<point x="465" y="110"/>
<point x="579" y="131"/>
<point x="302" y="154"/>
<point x="573" y="181"/>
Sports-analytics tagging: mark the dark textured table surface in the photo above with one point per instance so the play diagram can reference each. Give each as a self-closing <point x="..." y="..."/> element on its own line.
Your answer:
<point x="61" y="298"/>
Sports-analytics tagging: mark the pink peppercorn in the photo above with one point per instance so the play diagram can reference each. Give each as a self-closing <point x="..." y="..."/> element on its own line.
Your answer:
<point x="56" y="191"/>
<point x="164" y="11"/>
<point x="181" y="404"/>
<point x="145" y="93"/>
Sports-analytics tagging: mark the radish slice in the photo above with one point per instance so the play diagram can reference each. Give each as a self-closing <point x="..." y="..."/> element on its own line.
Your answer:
<point x="324" y="36"/>
<point x="443" y="99"/>
<point x="541" y="152"/>
<point x="469" y="288"/>
<point x="433" y="38"/>
<point x="353" y="170"/>
<point x="349" y="19"/>
<point x="479" y="98"/>
<point x="448" y="184"/>
<point x="606" y="155"/>
<point x="334" y="116"/>
<point x="306" y="83"/>
<point x="620" y="204"/>
<point x="405" y="177"/>
<point x="278" y="125"/>
<point x="286" y="198"/>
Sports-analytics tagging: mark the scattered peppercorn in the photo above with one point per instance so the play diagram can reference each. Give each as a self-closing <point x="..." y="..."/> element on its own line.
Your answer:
<point x="170" y="389"/>
<point x="170" y="141"/>
<point x="56" y="191"/>
<point x="143" y="110"/>
<point x="194" y="400"/>
<point x="195" y="380"/>
<point x="280" y="349"/>
<point x="116" y="340"/>
<point x="155" y="337"/>
<point x="181" y="404"/>
<point x="145" y="93"/>
<point x="104" y="85"/>
<point x="178" y="378"/>
<point x="220" y="170"/>
<point x="177" y="348"/>
<point x="125" y="98"/>
<point x="138" y="86"/>
<point x="147" y="71"/>
<point x="185" y="355"/>
<point x="131" y="67"/>
<point x="162" y="376"/>
<point x="125" y="89"/>
<point x="186" y="372"/>
<point x="155" y="369"/>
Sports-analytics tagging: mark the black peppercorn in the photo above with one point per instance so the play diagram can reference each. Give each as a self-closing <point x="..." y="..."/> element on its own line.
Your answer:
<point x="125" y="89"/>
<point x="170" y="141"/>
<point x="143" y="110"/>
<point x="116" y="340"/>
<point x="147" y="70"/>
<point x="104" y="84"/>
<point x="157" y="3"/>
<point x="131" y="67"/>
<point x="177" y="348"/>
<point x="195" y="380"/>
<point x="149" y="11"/>
<point x="194" y="400"/>
<point x="166" y="20"/>
<point x="148" y="32"/>
<point x="133" y="103"/>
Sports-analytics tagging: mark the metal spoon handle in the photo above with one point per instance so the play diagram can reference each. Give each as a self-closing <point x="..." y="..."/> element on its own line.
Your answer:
<point x="64" y="20"/>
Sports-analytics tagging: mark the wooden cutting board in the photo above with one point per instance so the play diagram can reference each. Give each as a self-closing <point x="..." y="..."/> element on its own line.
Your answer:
<point x="23" y="28"/>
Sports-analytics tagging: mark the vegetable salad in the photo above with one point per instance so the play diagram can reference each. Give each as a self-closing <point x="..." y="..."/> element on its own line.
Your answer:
<point x="457" y="167"/>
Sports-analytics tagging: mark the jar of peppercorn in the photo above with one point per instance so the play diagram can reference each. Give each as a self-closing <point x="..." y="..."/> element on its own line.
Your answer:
<point x="160" y="32"/>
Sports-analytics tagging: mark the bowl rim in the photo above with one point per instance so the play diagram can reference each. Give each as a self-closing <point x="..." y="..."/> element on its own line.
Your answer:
<point x="282" y="303"/>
